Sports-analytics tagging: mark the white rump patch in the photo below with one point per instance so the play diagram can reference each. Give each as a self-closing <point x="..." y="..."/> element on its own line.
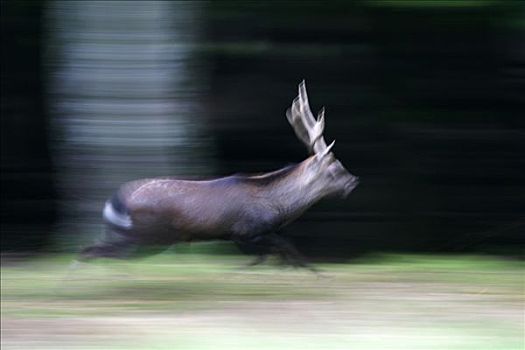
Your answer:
<point x="115" y="218"/>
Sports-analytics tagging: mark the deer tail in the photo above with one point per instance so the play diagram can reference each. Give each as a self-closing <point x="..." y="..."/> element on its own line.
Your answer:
<point x="115" y="213"/>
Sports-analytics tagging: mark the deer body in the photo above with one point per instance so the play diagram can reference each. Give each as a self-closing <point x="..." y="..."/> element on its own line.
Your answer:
<point x="248" y="210"/>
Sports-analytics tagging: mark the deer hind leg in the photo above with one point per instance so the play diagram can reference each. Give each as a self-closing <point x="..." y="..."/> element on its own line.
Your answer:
<point x="118" y="246"/>
<point x="110" y="249"/>
<point x="119" y="249"/>
<point x="113" y="244"/>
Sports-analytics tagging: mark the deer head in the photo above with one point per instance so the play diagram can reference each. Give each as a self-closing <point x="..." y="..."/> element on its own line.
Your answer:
<point x="325" y="172"/>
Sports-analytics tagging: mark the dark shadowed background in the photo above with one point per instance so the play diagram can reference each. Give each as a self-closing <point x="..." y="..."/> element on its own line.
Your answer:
<point x="424" y="98"/>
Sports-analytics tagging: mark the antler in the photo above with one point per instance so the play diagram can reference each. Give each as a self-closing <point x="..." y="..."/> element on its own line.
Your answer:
<point x="306" y="127"/>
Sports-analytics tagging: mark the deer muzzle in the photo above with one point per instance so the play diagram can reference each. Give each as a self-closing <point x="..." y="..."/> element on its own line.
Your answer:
<point x="350" y="185"/>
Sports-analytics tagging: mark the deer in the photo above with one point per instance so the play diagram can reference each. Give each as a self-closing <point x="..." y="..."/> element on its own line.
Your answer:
<point x="250" y="210"/>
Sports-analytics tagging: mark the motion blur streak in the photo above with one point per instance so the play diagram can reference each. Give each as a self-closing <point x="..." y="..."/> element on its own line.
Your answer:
<point x="123" y="89"/>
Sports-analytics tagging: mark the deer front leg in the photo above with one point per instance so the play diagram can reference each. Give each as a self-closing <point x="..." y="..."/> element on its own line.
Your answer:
<point x="287" y="252"/>
<point x="271" y="243"/>
<point x="253" y="246"/>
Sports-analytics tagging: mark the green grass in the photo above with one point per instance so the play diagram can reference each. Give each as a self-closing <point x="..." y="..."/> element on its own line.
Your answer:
<point x="192" y="300"/>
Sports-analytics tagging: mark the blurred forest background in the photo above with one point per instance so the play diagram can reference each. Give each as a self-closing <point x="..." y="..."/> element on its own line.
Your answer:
<point x="425" y="99"/>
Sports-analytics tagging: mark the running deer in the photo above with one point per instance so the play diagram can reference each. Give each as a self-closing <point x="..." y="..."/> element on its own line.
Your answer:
<point x="248" y="210"/>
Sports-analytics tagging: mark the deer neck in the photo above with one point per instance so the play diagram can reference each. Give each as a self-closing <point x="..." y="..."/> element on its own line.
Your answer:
<point x="295" y="192"/>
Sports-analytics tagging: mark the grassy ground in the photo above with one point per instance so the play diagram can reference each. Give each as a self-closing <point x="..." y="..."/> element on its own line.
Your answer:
<point x="199" y="301"/>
